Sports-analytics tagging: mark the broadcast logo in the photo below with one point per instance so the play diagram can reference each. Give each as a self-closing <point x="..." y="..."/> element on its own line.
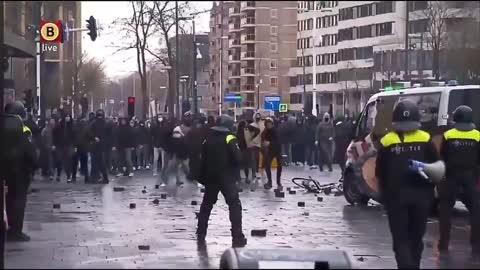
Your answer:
<point x="51" y="33"/>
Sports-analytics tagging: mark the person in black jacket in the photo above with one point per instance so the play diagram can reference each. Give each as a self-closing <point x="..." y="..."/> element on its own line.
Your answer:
<point x="194" y="140"/>
<point x="98" y="130"/>
<point x="141" y="150"/>
<point x="310" y="149"/>
<point x="82" y="143"/>
<point x="124" y="146"/>
<point x="272" y="149"/>
<point x="298" y="147"/>
<point x="343" y="132"/>
<point x="406" y="195"/>
<point x="159" y="135"/>
<point x="242" y="144"/>
<point x="220" y="163"/>
<point x="63" y="140"/>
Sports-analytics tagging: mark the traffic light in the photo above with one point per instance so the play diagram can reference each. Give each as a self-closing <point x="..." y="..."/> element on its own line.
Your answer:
<point x="131" y="107"/>
<point x="92" y="26"/>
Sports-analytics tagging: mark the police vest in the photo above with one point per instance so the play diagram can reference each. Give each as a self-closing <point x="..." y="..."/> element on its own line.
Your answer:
<point x="460" y="149"/>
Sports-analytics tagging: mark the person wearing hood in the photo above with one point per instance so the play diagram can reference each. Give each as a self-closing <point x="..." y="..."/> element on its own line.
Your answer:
<point x="82" y="145"/>
<point x="47" y="142"/>
<point x="220" y="164"/>
<point x="460" y="149"/>
<point x="310" y="149"/>
<point x="406" y="195"/>
<point x="324" y="139"/>
<point x="343" y="132"/>
<point x="254" y="141"/>
<point x="63" y="141"/>
<point x="298" y="142"/>
<point x="143" y="140"/>
<point x="159" y="135"/>
<point x="99" y="133"/>
<point x="179" y="160"/>
<point x="124" y="146"/>
<point x="272" y="149"/>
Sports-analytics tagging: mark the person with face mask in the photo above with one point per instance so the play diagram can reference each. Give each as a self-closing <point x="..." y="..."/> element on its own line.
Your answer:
<point x="47" y="142"/>
<point x="272" y="150"/>
<point x="64" y="149"/>
<point x="98" y="131"/>
<point x="298" y="142"/>
<point x="324" y="141"/>
<point x="141" y="149"/>
<point x="82" y="145"/>
<point x="159" y="135"/>
<point x="125" y="146"/>
<point x="253" y="139"/>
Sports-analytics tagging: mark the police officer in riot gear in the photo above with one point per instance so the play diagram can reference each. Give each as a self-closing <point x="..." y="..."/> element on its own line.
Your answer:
<point x="19" y="160"/>
<point x="407" y="196"/>
<point x="220" y="166"/>
<point x="460" y="150"/>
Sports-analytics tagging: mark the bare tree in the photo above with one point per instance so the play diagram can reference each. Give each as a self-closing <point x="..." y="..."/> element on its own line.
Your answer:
<point x="138" y="29"/>
<point x="94" y="78"/>
<point x="437" y="14"/>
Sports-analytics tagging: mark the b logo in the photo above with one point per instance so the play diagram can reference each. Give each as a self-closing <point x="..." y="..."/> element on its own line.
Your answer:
<point x="51" y="32"/>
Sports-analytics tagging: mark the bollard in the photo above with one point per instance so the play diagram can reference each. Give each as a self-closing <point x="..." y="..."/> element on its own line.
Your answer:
<point x="56" y="206"/>
<point x="118" y="189"/>
<point x="259" y="232"/>
<point x="301" y="204"/>
<point x="133" y="206"/>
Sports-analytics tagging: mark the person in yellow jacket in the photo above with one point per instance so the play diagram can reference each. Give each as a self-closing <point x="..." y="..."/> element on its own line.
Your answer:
<point x="460" y="150"/>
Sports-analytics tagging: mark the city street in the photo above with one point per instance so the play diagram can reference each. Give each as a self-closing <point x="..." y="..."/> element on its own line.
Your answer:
<point x="95" y="227"/>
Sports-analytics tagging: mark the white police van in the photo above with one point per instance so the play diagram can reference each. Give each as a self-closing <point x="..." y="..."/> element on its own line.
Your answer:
<point x="436" y="106"/>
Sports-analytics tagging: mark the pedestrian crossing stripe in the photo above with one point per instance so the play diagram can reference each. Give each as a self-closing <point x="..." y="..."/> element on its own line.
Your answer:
<point x="283" y="108"/>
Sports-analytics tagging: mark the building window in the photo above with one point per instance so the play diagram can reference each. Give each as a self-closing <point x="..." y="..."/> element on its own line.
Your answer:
<point x="274" y="30"/>
<point x="273" y="64"/>
<point x="418" y="26"/>
<point x="365" y="31"/>
<point x="385" y="7"/>
<point x="274" y="47"/>
<point x="273" y="13"/>
<point x="309" y="24"/>
<point x="318" y="24"/>
<point x="273" y="81"/>
<point x="384" y="29"/>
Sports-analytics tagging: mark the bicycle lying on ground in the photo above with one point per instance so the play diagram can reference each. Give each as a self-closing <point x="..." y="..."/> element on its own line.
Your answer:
<point x="313" y="186"/>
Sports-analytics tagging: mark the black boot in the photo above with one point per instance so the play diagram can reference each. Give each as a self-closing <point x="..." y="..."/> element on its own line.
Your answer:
<point x="17" y="237"/>
<point x="268" y="185"/>
<point x="239" y="241"/>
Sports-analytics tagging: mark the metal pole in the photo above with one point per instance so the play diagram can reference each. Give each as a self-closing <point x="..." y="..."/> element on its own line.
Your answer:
<point x="74" y="60"/>
<point x="314" y="77"/>
<point x="407" y="14"/>
<point x="195" y="101"/>
<point x="176" y="62"/>
<point x="2" y="180"/>
<point x="220" y="99"/>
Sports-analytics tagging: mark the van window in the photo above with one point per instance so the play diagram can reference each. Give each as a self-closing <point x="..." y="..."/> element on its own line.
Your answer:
<point x="429" y="105"/>
<point x="469" y="97"/>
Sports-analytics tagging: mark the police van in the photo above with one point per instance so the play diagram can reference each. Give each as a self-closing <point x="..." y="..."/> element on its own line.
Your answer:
<point x="436" y="105"/>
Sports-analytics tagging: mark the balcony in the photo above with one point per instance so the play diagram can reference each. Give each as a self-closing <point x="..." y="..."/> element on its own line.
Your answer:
<point x="235" y="11"/>
<point x="234" y="89"/>
<point x="234" y="75"/>
<point x="248" y="71"/>
<point x="248" y="55"/>
<point x="248" y="38"/>
<point x="247" y="5"/>
<point x="232" y="43"/>
<point x="247" y="22"/>
<point x="233" y="58"/>
<point x="234" y="27"/>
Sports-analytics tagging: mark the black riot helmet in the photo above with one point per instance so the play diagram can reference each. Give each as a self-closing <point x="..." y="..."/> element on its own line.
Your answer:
<point x="406" y="116"/>
<point x="16" y="108"/>
<point x="224" y="123"/>
<point x="463" y="118"/>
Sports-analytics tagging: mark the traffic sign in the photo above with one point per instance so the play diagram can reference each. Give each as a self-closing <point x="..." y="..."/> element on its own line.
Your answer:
<point x="283" y="108"/>
<point x="272" y="103"/>
<point x="233" y="98"/>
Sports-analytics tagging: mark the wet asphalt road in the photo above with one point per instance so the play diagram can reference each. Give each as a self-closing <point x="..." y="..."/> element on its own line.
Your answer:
<point x="95" y="227"/>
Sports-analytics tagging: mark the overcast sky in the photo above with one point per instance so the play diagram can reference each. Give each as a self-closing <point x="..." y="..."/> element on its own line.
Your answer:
<point x="121" y="63"/>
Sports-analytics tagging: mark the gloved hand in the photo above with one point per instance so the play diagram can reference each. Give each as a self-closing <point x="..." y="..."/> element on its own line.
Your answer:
<point x="417" y="167"/>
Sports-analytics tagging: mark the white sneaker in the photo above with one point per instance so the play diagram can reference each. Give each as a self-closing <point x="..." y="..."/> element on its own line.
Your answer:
<point x="199" y="185"/>
<point x="139" y="168"/>
<point x="148" y="167"/>
<point x="131" y="174"/>
<point x="119" y="174"/>
<point x="134" y="169"/>
<point x="162" y="185"/>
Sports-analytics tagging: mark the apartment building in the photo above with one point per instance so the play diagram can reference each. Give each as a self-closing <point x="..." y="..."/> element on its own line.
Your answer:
<point x="261" y="49"/>
<point x="359" y="47"/>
